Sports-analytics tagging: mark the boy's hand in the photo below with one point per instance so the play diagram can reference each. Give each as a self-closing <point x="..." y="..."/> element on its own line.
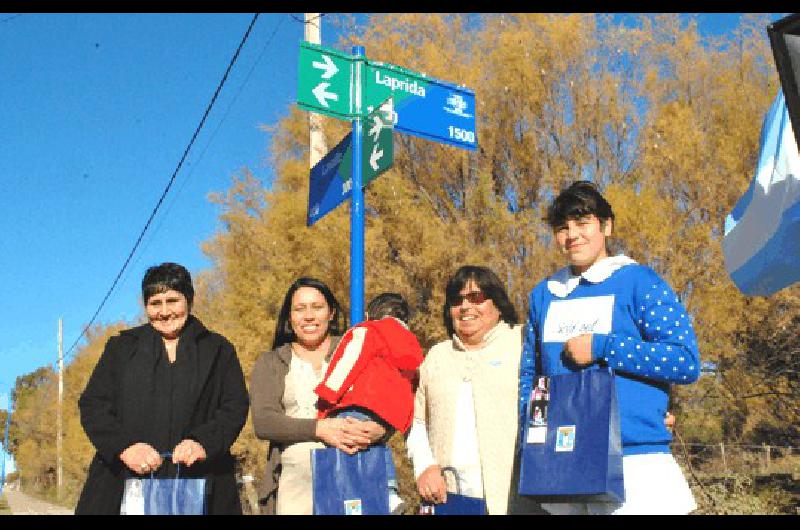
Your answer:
<point x="331" y="431"/>
<point x="669" y="421"/>
<point x="362" y="433"/>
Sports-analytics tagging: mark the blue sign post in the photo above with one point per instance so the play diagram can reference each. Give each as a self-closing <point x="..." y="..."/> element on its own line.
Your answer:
<point x="357" y="205"/>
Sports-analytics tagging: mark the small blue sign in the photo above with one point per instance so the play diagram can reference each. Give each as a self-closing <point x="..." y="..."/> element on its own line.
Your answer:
<point x="425" y="107"/>
<point x="328" y="188"/>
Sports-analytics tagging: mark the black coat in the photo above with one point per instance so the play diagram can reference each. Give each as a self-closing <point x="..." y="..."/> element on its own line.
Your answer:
<point x="120" y="407"/>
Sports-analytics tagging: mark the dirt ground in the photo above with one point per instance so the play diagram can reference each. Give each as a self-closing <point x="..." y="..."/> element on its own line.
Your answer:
<point x="22" y="504"/>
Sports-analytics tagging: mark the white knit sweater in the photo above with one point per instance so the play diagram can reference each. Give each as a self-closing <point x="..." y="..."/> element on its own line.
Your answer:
<point x="494" y="374"/>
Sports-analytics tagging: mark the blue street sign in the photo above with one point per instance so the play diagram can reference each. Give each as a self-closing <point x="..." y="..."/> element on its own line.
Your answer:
<point x="328" y="187"/>
<point x="425" y="107"/>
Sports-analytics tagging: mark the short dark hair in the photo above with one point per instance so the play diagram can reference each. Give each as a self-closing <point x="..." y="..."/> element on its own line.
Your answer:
<point x="579" y="199"/>
<point x="283" y="327"/>
<point x="167" y="276"/>
<point x="491" y="286"/>
<point x="388" y="305"/>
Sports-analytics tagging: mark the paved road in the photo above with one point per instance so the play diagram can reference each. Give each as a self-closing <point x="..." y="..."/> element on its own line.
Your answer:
<point x="22" y="504"/>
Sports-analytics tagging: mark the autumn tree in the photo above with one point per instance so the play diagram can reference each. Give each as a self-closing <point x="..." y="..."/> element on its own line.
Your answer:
<point x="33" y="432"/>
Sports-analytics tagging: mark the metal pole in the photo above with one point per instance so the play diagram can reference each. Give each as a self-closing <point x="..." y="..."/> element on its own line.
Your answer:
<point x="317" y="147"/>
<point x="59" y="432"/>
<point x="357" y="205"/>
<point x="5" y="443"/>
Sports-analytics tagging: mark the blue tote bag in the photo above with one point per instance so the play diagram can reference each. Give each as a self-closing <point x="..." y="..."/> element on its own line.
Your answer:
<point x="345" y="484"/>
<point x="571" y="446"/>
<point x="457" y="504"/>
<point x="165" y="496"/>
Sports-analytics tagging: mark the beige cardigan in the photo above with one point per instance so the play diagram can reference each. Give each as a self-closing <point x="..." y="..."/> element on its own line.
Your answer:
<point x="494" y="372"/>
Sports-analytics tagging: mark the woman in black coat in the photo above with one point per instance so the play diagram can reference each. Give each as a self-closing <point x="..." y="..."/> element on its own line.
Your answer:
<point x="167" y="386"/>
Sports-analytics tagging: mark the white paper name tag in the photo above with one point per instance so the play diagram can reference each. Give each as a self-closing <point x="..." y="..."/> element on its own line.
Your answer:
<point x="537" y="435"/>
<point x="570" y="318"/>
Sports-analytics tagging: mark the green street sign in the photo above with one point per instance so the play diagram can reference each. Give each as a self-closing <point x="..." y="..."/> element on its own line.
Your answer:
<point x="377" y="150"/>
<point x="324" y="81"/>
<point x="378" y="144"/>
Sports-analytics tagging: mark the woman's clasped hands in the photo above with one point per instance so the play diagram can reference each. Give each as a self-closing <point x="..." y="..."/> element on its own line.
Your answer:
<point x="142" y="458"/>
<point x="187" y="452"/>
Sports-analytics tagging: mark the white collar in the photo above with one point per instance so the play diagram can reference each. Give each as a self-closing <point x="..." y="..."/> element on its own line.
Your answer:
<point x="564" y="282"/>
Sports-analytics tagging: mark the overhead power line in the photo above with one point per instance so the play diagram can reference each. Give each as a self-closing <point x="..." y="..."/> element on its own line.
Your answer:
<point x="169" y="184"/>
<point x="196" y="162"/>
<point x="309" y="21"/>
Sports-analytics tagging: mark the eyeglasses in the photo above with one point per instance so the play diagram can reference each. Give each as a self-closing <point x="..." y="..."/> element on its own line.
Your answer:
<point x="474" y="297"/>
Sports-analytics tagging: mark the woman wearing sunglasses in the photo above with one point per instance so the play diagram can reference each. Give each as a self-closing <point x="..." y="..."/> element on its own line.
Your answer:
<point x="464" y="415"/>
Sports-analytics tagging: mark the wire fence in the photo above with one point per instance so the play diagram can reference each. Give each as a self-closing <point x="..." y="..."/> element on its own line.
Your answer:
<point x="741" y="479"/>
<point x="738" y="458"/>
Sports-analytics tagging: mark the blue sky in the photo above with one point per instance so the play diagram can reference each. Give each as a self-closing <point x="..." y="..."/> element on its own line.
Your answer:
<point x="95" y="113"/>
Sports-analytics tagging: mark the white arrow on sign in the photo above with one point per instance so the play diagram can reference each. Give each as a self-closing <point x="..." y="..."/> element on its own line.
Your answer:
<point x="374" y="157"/>
<point x="375" y="130"/>
<point x="328" y="66"/>
<point x="321" y="95"/>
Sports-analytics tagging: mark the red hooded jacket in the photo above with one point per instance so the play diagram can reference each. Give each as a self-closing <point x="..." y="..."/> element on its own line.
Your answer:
<point x="374" y="367"/>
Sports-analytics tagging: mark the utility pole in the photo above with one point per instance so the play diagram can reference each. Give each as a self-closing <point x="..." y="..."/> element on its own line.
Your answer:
<point x="59" y="471"/>
<point x="6" y="452"/>
<point x="317" y="146"/>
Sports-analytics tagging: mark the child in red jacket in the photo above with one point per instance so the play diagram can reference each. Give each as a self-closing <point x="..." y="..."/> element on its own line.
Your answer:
<point x="372" y="375"/>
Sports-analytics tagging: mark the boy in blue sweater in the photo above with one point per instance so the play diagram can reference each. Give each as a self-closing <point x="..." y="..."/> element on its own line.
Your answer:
<point x="609" y="311"/>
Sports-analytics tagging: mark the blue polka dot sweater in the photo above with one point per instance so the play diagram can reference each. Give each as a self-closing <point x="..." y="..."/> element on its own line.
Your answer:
<point x="639" y="328"/>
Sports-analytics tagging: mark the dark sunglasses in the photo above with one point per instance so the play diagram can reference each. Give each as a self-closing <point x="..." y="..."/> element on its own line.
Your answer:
<point x="474" y="297"/>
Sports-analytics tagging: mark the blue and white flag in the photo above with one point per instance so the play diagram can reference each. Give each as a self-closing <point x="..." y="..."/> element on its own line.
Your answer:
<point x="762" y="233"/>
